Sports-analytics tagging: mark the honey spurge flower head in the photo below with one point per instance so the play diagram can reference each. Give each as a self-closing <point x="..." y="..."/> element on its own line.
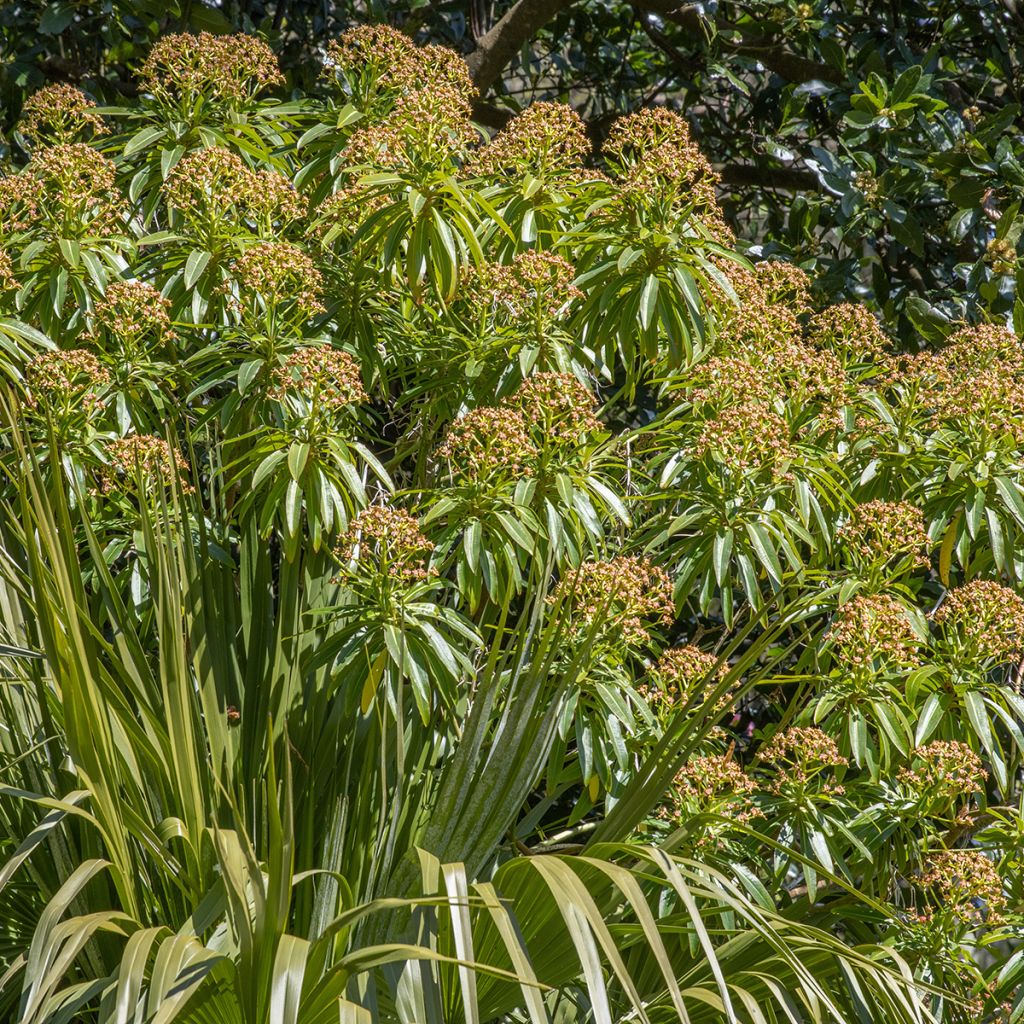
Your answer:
<point x="979" y="347"/>
<point x="679" y="672"/>
<point x="873" y="628"/>
<point x="144" y="454"/>
<point x="711" y="778"/>
<point x="131" y="309"/>
<point x="532" y="278"/>
<point x="945" y="768"/>
<point x="985" y="619"/>
<point x="786" y="283"/>
<point x="8" y="282"/>
<point x="487" y="441"/>
<point x="850" y="329"/>
<point x="228" y="68"/>
<point x="968" y="882"/>
<point x="389" y="541"/>
<point x="745" y="437"/>
<point x="280" y="273"/>
<point x="75" y="178"/>
<point x="321" y="374"/>
<point x="545" y="137"/>
<point x="558" y="403"/>
<point x="72" y="375"/>
<point x="58" y="114"/>
<point x="625" y="594"/>
<point x="879" y="531"/>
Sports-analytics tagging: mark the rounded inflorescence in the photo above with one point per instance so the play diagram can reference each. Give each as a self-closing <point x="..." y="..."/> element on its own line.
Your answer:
<point x="8" y="282"/>
<point x="70" y="375"/>
<point x="985" y="617"/>
<point x="946" y="768"/>
<point x="707" y="779"/>
<point x="880" y="531"/>
<point x="228" y="68"/>
<point x="76" y="178"/>
<point x="873" y="628"/>
<point x="558" y="403"/>
<point x="388" y="540"/>
<point x="544" y="138"/>
<point x="486" y="441"/>
<point x="533" y="279"/>
<point x="746" y="437"/>
<point x="59" y="114"/>
<point x="280" y="273"/>
<point x="802" y="748"/>
<point x="624" y="594"/>
<point x="321" y="374"/>
<point x="968" y="883"/>
<point x="785" y="283"/>
<point x="130" y="309"/>
<point x="147" y="454"/>
<point x="851" y="329"/>
<point x="981" y="346"/>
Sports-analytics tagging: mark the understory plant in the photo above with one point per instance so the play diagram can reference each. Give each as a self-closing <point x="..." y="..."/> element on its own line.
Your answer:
<point x="444" y="580"/>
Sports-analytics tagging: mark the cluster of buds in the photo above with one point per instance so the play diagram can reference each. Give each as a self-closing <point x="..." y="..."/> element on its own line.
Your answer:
<point x="58" y="114"/>
<point x="969" y="884"/>
<point x="708" y="781"/>
<point x="747" y="437"/>
<point x="879" y="531"/>
<point x="873" y="628"/>
<point x="802" y="754"/>
<point x="20" y="196"/>
<point x="131" y="310"/>
<point x="230" y="68"/>
<point x="622" y="594"/>
<point x="144" y="454"/>
<point x="393" y="62"/>
<point x="78" y="181"/>
<point x="682" y="673"/>
<point x="66" y="378"/>
<point x="8" y="282"/>
<point x="532" y="281"/>
<point x="974" y="348"/>
<point x="390" y="542"/>
<point x="1001" y="255"/>
<point x="559" y="404"/>
<point x="322" y="375"/>
<point x="946" y="769"/>
<point x="545" y="138"/>
<point x="984" y="620"/>
<point x="208" y="183"/>
<point x="487" y="441"/>
<point x="280" y="273"/>
<point x="852" y="330"/>
<point x="784" y="283"/>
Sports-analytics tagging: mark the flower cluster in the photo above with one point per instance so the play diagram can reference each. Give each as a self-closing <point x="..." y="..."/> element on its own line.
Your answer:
<point x="396" y="63"/>
<point x="784" y="283"/>
<point x="211" y="181"/>
<point x="679" y="672"/>
<point x="704" y="781"/>
<point x="72" y="376"/>
<point x="59" y="114"/>
<point x="76" y="179"/>
<point x="488" y="440"/>
<point x="803" y="747"/>
<point x="348" y="209"/>
<point x="133" y="309"/>
<point x="944" y="768"/>
<point x="873" y="627"/>
<point x="532" y="280"/>
<point x="968" y="882"/>
<point x="745" y="437"/>
<point x="228" y="68"/>
<point x="390" y="541"/>
<point x="151" y="456"/>
<point x="20" y="196"/>
<point x="981" y="346"/>
<point x="880" y="531"/>
<point x="559" y="403"/>
<point x="851" y="329"/>
<point x="986" y="618"/>
<point x="544" y="138"/>
<point x="323" y="375"/>
<point x="280" y="273"/>
<point x="620" y="594"/>
<point x="8" y="281"/>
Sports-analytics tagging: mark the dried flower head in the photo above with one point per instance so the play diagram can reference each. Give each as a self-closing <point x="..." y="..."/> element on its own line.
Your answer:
<point x="72" y="377"/>
<point x="487" y="441"/>
<point x="133" y="309"/>
<point x="544" y="138"/>
<point x="852" y="330"/>
<point x="879" y="531"/>
<point x="324" y="376"/>
<point x="144" y="454"/>
<point x="985" y="620"/>
<point x="622" y="594"/>
<point x="944" y="768"/>
<point x="746" y="437"/>
<point x="968" y="882"/>
<point x="532" y="281"/>
<point x="226" y="68"/>
<point x="58" y="114"/>
<point x="873" y="628"/>
<point x="280" y="273"/>
<point x="558" y="403"/>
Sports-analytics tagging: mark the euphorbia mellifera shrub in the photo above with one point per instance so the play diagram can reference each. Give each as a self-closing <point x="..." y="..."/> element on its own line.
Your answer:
<point x="439" y="386"/>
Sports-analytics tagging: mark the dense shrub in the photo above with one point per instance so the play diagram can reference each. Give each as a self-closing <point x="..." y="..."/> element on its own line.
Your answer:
<point x="394" y="511"/>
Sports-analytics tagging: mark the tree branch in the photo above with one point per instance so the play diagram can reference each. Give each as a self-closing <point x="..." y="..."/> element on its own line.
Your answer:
<point x="498" y="46"/>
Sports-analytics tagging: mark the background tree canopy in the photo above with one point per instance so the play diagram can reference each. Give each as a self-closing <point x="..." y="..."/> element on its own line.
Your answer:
<point x="876" y="144"/>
